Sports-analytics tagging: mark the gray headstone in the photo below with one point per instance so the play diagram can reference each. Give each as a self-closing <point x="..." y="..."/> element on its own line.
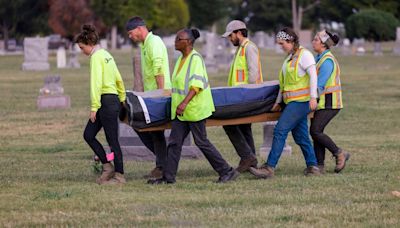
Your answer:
<point x="346" y="48"/>
<point x="61" y="57"/>
<point x="270" y="42"/>
<point x="52" y="94"/>
<point x="133" y="148"/>
<point x="259" y="39"/>
<point x="358" y="47"/>
<point x="268" y="137"/>
<point x="36" y="54"/>
<point x="209" y="52"/>
<point x="73" y="61"/>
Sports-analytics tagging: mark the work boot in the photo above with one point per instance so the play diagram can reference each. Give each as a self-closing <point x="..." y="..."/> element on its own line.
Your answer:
<point x="245" y="164"/>
<point x="312" y="171"/>
<point x="155" y="173"/>
<point x="321" y="169"/>
<point x="106" y="174"/>
<point x="263" y="172"/>
<point x="229" y="176"/>
<point x="117" y="179"/>
<point x="341" y="159"/>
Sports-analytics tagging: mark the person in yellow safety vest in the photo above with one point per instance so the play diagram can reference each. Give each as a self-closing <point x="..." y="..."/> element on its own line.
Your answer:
<point x="155" y="72"/>
<point x="330" y="100"/>
<point x="245" y="69"/>
<point x="298" y="88"/>
<point x="191" y="104"/>
<point x="107" y="94"/>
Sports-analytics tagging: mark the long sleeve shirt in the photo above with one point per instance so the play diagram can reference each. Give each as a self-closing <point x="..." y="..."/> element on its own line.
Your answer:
<point x="104" y="78"/>
<point x="324" y="72"/>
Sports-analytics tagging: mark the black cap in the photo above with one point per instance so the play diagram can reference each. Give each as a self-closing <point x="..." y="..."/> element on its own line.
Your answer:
<point x="133" y="23"/>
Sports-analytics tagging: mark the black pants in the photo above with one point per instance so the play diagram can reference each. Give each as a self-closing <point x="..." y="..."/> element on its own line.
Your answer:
<point x="179" y="131"/>
<point x="321" y="140"/>
<point x="106" y="117"/>
<point x="242" y="139"/>
<point x="156" y="143"/>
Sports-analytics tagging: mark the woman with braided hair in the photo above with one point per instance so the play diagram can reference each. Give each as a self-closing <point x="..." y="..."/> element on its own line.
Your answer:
<point x="298" y="90"/>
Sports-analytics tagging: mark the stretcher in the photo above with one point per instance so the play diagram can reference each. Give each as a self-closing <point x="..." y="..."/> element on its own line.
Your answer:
<point x="151" y="111"/>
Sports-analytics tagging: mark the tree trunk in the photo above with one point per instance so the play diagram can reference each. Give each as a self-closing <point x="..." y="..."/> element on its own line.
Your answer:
<point x="5" y="34"/>
<point x="295" y="21"/>
<point x="113" y="37"/>
<point x="137" y="71"/>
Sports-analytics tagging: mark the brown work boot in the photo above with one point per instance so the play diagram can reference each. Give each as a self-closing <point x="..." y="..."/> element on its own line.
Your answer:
<point x="312" y="171"/>
<point x="106" y="174"/>
<point x="321" y="169"/>
<point x="245" y="164"/>
<point x="155" y="173"/>
<point x="341" y="159"/>
<point x="117" y="179"/>
<point x="263" y="172"/>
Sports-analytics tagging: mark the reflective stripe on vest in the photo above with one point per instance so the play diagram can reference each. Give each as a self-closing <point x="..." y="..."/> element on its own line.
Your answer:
<point x="294" y="88"/>
<point x="188" y="79"/>
<point x="296" y="93"/>
<point x="239" y="71"/>
<point x="333" y="85"/>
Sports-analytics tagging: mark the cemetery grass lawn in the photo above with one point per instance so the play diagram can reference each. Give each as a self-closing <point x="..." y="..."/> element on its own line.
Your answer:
<point x="47" y="177"/>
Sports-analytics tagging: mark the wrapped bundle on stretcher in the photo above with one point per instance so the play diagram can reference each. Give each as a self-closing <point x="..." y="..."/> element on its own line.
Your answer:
<point x="150" y="109"/>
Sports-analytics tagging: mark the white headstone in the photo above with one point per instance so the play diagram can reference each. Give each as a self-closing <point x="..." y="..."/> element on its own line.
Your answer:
<point x="358" y="46"/>
<point x="61" y="57"/>
<point x="103" y="43"/>
<point x="36" y="54"/>
<point x="73" y="61"/>
<point x="209" y="52"/>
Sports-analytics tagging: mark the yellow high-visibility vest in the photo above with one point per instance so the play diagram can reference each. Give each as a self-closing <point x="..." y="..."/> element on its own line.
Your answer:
<point x="293" y="87"/>
<point x="239" y="72"/>
<point x="333" y="88"/>
<point x="192" y="74"/>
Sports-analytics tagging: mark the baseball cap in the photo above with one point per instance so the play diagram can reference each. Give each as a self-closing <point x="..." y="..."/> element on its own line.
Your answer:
<point x="133" y="23"/>
<point x="233" y="26"/>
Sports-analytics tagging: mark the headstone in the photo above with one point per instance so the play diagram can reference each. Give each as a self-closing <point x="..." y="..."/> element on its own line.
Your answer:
<point x="209" y="52"/>
<point x="103" y="43"/>
<point x="73" y="61"/>
<point x="358" y="47"/>
<point x="346" y="48"/>
<point x="133" y="148"/>
<point x="305" y="38"/>
<point x="259" y="39"/>
<point x="51" y="95"/>
<point x="396" y="49"/>
<point x="61" y="57"/>
<point x="36" y="54"/>
<point x="268" y="137"/>
<point x="378" y="48"/>
<point x="270" y="42"/>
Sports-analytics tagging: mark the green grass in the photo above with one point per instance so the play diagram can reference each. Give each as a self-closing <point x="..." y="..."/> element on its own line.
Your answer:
<point x="47" y="176"/>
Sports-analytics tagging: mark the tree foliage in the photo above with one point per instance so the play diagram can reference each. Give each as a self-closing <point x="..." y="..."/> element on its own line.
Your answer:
<point x="67" y="16"/>
<point x="372" y="24"/>
<point x="204" y="13"/>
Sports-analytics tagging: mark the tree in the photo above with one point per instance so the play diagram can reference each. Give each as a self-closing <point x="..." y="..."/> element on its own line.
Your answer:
<point x="22" y="17"/>
<point x="207" y="12"/>
<point x="164" y="16"/>
<point x="67" y="16"/>
<point x="297" y="13"/>
<point x="108" y="11"/>
<point x="372" y="24"/>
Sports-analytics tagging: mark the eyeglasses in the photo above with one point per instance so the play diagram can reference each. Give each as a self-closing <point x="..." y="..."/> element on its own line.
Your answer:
<point x="179" y="39"/>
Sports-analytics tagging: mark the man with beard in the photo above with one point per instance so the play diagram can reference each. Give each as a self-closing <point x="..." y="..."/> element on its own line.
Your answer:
<point x="245" y="69"/>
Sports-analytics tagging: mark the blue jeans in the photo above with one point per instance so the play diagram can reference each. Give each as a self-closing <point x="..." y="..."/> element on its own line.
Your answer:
<point x="293" y="118"/>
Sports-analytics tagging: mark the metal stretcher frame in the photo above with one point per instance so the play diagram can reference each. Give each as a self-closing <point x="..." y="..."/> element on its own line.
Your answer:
<point x="264" y="117"/>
